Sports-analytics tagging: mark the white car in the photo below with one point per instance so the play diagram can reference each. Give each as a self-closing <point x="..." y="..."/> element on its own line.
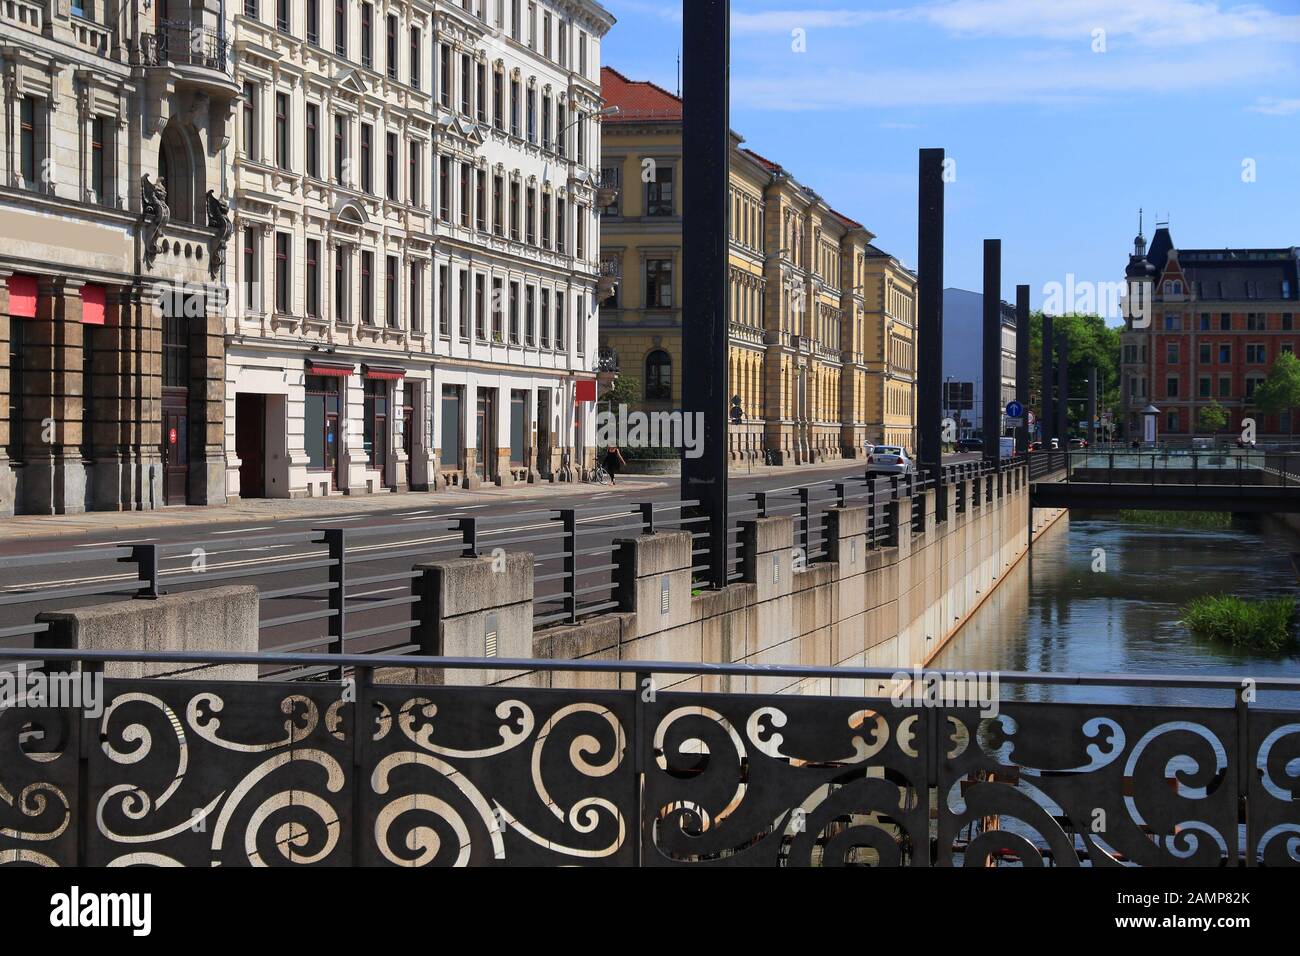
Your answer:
<point x="888" y="460"/>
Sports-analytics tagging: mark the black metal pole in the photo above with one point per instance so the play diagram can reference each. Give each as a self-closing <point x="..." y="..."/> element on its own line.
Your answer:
<point x="1092" y="406"/>
<point x="1022" y="365"/>
<point x="929" y="296"/>
<point x="1063" y="390"/>
<point x="706" y="128"/>
<point x="992" y="397"/>
<point x="1047" y="414"/>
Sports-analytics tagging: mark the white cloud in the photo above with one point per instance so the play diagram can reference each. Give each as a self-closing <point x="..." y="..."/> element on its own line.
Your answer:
<point x="1272" y="106"/>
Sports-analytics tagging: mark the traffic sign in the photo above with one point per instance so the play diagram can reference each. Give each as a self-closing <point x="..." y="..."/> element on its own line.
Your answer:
<point x="1013" y="422"/>
<point x="1015" y="410"/>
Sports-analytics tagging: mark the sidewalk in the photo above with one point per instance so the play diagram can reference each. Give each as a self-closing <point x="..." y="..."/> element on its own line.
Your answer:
<point x="270" y="510"/>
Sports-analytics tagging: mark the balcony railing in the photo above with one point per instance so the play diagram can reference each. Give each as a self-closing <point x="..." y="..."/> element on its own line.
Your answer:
<point x="179" y="43"/>
<point x="624" y="769"/>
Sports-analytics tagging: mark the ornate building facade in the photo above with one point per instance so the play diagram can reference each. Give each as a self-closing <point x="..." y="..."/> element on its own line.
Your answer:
<point x="802" y="301"/>
<point x="114" y="120"/>
<point x="416" y="281"/>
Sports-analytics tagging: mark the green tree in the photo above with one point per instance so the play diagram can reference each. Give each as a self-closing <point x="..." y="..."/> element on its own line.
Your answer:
<point x="1212" y="417"/>
<point x="1092" y="343"/>
<point x="622" y="391"/>
<point x="1280" y="392"/>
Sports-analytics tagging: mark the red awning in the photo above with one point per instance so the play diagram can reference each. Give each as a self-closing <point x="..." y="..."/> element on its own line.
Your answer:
<point x="388" y="372"/>
<point x="585" y="390"/>
<point x="22" y="296"/>
<point x="336" y="369"/>
<point x="92" y="305"/>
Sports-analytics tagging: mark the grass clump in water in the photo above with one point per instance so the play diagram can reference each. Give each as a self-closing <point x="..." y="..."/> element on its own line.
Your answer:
<point x="1261" y="625"/>
<point x="1179" y="519"/>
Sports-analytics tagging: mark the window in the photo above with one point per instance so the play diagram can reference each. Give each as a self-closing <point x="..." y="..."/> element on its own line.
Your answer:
<point x="250" y="8"/>
<point x="580" y="230"/>
<point x="564" y="43"/>
<point x="530" y="217"/>
<point x="546" y="35"/>
<point x="466" y="83"/>
<point x="444" y="303"/>
<point x="1173" y="323"/>
<point x="1252" y="383"/>
<point x="282" y="130"/>
<point x="374" y="435"/>
<point x="390" y="165"/>
<point x="514" y="211"/>
<point x="282" y="303"/>
<point x="1204" y="356"/>
<point x="480" y="199"/>
<point x="465" y="205"/>
<point x="498" y="101"/>
<point x="561" y="128"/>
<point x="1225" y="386"/>
<point x="561" y="217"/>
<point x="444" y="75"/>
<point x="532" y="25"/>
<point x="514" y="313"/>
<point x="581" y="125"/>
<point x="611" y="178"/>
<point x="1171" y="353"/>
<point x="341" y="27"/>
<point x="1203" y="386"/>
<point x="1225" y="354"/>
<point x="367" y="35"/>
<point x="545" y="315"/>
<point x="250" y="125"/>
<point x="320" y="421"/>
<point x="497" y="303"/>
<point x="546" y="220"/>
<point x="444" y="188"/>
<point x="415" y="57"/>
<point x="1256" y="354"/>
<point x="313" y="22"/>
<point x="480" y="328"/>
<point x="313" y="140"/>
<point x="391" y="58"/>
<point x="480" y="92"/>
<point x="1205" y="321"/>
<point x="98" y="179"/>
<point x="341" y="279"/>
<point x="497" y="215"/>
<point x="340" y="148"/>
<point x="1225" y="321"/>
<point x="514" y="107"/>
<point x="1288" y="321"/>
<point x="1171" y="386"/>
<point x="659" y="283"/>
<point x="658" y="377"/>
<point x="516" y="20"/>
<point x="561" y="338"/>
<point x="176" y="353"/>
<point x="368" y="288"/>
<point x="312" y="289"/>
<point x="582" y="52"/>
<point x="251" y="303"/>
<point x="659" y="192"/>
<point x="546" y="122"/>
<point x="392" y="276"/>
<point x="1255" y="322"/>
<point x="530" y="315"/>
<point x="462" y="312"/>
<point x="367" y="170"/>
<point x="532" y="116"/>
<point x="413" y="174"/>
<point x="1172" y="421"/>
<point x="282" y="15"/>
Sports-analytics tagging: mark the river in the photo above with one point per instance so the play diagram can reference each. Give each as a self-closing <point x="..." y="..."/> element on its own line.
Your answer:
<point x="1054" y="612"/>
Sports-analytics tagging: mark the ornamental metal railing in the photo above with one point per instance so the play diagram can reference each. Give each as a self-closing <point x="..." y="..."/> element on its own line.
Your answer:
<point x="749" y="766"/>
<point x="180" y="43"/>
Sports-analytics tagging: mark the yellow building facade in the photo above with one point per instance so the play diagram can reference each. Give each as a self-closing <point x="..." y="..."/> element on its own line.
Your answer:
<point x="799" y="282"/>
<point x="890" y="293"/>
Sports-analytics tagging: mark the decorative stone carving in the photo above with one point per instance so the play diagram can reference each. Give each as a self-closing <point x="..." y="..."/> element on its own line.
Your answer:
<point x="223" y="228"/>
<point x="155" y="215"/>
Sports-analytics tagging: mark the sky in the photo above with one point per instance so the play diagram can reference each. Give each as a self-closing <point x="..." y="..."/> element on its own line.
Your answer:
<point x="1062" y="119"/>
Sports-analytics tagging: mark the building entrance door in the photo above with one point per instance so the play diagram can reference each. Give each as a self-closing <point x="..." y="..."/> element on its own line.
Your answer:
<point x="485" y="434"/>
<point x="544" y="438"/>
<point x="250" y="443"/>
<point x="175" y="446"/>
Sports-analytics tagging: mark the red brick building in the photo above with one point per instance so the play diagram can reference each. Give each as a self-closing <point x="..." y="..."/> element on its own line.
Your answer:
<point x="1216" y="321"/>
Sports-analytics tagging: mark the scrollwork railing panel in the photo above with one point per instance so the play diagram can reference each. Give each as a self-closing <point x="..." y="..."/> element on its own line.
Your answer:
<point x="498" y="776"/>
<point x="38" y="786"/>
<point x="1273" y="824"/>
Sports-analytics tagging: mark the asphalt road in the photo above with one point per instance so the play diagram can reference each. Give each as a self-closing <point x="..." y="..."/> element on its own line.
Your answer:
<point x="280" y="558"/>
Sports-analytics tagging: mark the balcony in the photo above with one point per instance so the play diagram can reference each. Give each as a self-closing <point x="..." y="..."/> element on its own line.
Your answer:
<point x="196" y="54"/>
<point x="607" y="193"/>
<point x="611" y="274"/>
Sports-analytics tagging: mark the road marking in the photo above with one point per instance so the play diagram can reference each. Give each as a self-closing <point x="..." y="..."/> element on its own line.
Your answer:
<point x="244" y="530"/>
<point x="123" y="544"/>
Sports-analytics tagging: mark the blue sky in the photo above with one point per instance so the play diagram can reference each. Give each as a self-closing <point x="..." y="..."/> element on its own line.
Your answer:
<point x="1059" y="132"/>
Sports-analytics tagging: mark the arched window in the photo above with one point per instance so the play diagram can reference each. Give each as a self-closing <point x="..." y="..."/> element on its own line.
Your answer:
<point x="658" y="376"/>
<point x="181" y="170"/>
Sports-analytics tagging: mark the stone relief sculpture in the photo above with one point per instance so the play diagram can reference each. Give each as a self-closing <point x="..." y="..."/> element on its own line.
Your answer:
<point x="156" y="215"/>
<point x="223" y="228"/>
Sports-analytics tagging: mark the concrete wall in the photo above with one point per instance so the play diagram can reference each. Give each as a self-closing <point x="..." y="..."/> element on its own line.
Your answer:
<point x="891" y="606"/>
<point x="210" y="619"/>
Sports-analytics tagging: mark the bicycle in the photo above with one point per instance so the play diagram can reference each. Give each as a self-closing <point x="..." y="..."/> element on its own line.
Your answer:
<point x="599" y="476"/>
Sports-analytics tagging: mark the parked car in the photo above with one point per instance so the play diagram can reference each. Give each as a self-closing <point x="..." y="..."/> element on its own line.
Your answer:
<point x="1078" y="443"/>
<point x="970" y="444"/>
<point x="1035" y="446"/>
<point x="888" y="460"/>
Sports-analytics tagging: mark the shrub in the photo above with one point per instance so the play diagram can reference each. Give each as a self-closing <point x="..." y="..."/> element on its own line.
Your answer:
<point x="1179" y="519"/>
<point x="1262" y="624"/>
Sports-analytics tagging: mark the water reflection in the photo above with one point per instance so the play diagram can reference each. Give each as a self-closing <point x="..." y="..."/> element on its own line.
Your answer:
<point x="1054" y="613"/>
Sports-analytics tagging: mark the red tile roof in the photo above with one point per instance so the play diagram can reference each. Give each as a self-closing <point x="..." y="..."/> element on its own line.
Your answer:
<point x="639" y="100"/>
<point x="763" y="161"/>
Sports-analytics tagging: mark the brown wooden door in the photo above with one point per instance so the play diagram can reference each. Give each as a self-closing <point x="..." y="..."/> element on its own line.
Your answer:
<point x="250" y="444"/>
<point x="176" y="459"/>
